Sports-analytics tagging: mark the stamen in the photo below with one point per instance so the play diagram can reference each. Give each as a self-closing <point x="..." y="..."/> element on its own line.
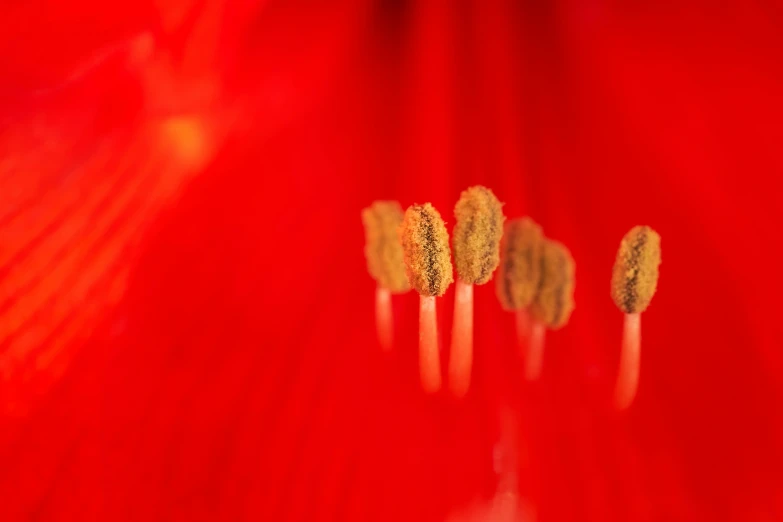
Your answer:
<point x="426" y="253"/>
<point x="427" y="257"/>
<point x="520" y="272"/>
<point x="634" y="281"/>
<point x="635" y="272"/>
<point x="384" y="262"/>
<point x="477" y="236"/>
<point x="554" y="302"/>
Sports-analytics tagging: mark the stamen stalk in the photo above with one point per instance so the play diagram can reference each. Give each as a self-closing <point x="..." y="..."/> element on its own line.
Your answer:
<point x="429" y="356"/>
<point x="383" y="318"/>
<point x="535" y="351"/>
<point x="461" y="358"/>
<point x="628" y="377"/>
<point x="523" y="329"/>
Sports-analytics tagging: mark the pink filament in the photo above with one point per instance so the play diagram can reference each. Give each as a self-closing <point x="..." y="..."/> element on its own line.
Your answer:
<point x="535" y="351"/>
<point x="628" y="376"/>
<point x="523" y="329"/>
<point x="461" y="358"/>
<point x="383" y="318"/>
<point x="429" y="356"/>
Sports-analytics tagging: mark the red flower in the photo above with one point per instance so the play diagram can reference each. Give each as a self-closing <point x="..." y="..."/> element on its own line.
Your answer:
<point x="186" y="322"/>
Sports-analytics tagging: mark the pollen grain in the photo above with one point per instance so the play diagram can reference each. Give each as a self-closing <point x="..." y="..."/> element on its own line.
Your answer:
<point x="425" y="244"/>
<point x="383" y="249"/>
<point x="477" y="234"/>
<point x="635" y="272"/>
<point x="520" y="263"/>
<point x="555" y="299"/>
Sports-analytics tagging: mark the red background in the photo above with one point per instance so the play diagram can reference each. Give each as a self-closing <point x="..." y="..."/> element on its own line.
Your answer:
<point x="238" y="377"/>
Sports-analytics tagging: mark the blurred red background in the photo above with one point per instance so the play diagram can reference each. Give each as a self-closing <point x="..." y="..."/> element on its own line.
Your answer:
<point x="187" y="322"/>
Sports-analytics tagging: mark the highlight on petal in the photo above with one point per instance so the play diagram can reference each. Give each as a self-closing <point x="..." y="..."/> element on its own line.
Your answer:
<point x="188" y="138"/>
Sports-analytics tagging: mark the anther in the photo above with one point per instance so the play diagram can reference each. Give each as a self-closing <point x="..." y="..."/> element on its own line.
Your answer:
<point x="476" y="240"/>
<point x="553" y="303"/>
<point x="519" y="273"/>
<point x="384" y="255"/>
<point x="634" y="281"/>
<point x="425" y="245"/>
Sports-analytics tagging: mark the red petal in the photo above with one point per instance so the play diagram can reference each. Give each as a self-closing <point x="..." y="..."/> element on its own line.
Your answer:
<point x="238" y="376"/>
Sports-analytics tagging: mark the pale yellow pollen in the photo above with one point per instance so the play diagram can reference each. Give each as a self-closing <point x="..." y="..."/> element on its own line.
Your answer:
<point x="519" y="273"/>
<point x="555" y="299"/>
<point x="635" y="272"/>
<point x="477" y="234"/>
<point x="383" y="247"/>
<point x="425" y="243"/>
